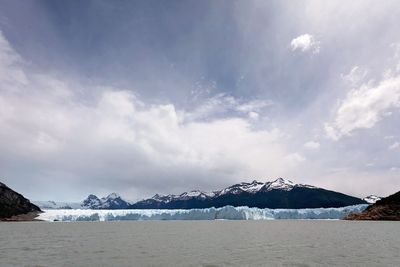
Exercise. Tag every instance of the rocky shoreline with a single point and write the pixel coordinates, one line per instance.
(386, 209)
(26, 217)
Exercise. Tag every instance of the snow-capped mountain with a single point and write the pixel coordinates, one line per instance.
(183, 196)
(279, 193)
(253, 187)
(91, 202)
(112, 201)
(371, 199)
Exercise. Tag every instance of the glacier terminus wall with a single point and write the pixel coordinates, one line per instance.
(224, 213)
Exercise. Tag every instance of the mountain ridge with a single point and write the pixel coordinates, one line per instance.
(280, 193)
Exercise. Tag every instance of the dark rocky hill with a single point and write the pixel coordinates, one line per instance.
(386, 209)
(13, 203)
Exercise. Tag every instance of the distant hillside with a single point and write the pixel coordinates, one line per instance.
(280, 193)
(13, 203)
(51, 205)
(113, 202)
(386, 209)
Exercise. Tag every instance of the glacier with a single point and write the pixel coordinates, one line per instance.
(224, 213)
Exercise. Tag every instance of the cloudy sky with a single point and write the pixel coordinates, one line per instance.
(144, 97)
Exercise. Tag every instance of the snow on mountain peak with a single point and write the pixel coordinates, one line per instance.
(156, 196)
(113, 200)
(284, 184)
(372, 199)
(113, 196)
(280, 183)
(163, 198)
(252, 187)
(91, 201)
(193, 193)
(249, 187)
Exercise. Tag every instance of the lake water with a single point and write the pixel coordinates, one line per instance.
(200, 243)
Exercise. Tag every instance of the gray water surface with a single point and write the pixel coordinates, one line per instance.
(200, 243)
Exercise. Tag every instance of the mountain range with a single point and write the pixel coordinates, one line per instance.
(280, 193)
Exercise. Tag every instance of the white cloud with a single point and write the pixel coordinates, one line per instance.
(126, 139)
(295, 158)
(394, 169)
(363, 107)
(222, 105)
(115, 141)
(304, 43)
(253, 115)
(312, 145)
(395, 145)
(9, 66)
(136, 146)
(253, 105)
(355, 76)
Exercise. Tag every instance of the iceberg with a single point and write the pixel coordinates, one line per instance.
(224, 213)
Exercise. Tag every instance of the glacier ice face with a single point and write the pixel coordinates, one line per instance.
(224, 213)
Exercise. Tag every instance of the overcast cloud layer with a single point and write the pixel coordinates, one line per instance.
(164, 97)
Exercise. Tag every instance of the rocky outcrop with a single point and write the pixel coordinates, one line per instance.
(386, 209)
(13, 203)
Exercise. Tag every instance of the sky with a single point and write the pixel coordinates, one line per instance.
(145, 97)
